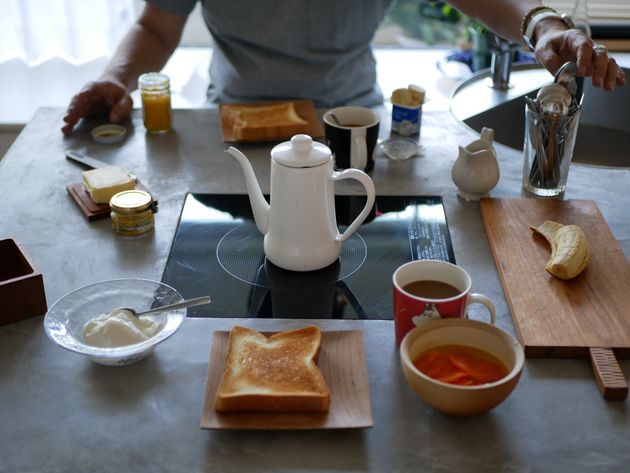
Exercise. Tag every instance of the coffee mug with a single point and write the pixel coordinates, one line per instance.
(353, 138)
(432, 289)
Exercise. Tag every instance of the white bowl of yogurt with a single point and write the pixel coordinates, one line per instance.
(84, 321)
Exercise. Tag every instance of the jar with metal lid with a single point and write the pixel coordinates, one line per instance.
(132, 212)
(156, 102)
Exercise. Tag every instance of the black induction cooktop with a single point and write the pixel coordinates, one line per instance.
(218, 250)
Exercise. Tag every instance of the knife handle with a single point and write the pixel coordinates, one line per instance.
(610, 379)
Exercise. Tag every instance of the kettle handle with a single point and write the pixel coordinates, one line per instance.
(368, 185)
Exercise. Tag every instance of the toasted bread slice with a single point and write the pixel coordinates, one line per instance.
(265, 122)
(275, 374)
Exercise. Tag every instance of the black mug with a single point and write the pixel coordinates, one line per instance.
(352, 137)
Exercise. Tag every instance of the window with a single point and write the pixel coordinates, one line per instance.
(427, 23)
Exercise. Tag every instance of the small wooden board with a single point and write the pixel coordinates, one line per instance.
(304, 108)
(92, 210)
(342, 362)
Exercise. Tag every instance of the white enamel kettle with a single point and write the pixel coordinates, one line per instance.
(300, 224)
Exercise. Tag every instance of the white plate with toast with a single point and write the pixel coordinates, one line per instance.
(341, 361)
(269, 121)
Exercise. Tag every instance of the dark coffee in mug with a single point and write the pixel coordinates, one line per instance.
(431, 289)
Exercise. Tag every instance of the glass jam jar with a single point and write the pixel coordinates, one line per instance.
(132, 212)
(156, 102)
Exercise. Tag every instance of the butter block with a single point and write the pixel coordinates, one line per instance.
(103, 183)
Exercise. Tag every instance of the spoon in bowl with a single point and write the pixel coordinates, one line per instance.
(178, 305)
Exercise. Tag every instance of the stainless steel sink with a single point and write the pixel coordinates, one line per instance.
(604, 132)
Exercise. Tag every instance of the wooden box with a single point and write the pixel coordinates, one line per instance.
(21, 285)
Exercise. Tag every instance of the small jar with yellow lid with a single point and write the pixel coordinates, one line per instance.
(132, 212)
(156, 102)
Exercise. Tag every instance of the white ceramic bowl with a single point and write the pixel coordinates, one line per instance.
(451, 398)
(64, 321)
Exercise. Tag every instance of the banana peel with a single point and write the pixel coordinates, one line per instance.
(570, 251)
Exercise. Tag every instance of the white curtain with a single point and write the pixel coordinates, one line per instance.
(75, 31)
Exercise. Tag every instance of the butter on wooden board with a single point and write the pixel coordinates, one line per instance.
(103, 183)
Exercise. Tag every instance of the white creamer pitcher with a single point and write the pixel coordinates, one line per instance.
(476, 170)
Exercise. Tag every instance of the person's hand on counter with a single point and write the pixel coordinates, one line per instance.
(556, 45)
(98, 98)
(146, 47)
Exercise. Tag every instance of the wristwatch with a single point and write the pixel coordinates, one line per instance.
(528, 26)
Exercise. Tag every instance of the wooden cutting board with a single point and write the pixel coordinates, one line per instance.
(588, 316)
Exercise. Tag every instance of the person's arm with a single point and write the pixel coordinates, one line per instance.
(146, 47)
(555, 42)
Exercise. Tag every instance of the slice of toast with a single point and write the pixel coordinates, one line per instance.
(264, 122)
(275, 374)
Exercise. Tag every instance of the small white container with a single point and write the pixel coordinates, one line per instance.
(109, 134)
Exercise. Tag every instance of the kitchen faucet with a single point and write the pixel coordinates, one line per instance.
(502, 57)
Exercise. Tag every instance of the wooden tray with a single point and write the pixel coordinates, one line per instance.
(587, 316)
(21, 284)
(304, 108)
(342, 362)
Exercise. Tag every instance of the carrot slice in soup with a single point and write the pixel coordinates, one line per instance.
(482, 371)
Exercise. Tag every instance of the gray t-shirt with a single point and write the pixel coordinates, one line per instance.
(291, 49)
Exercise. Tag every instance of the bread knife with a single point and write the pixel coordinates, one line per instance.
(91, 162)
(85, 159)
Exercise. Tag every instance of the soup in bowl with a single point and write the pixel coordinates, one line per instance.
(461, 366)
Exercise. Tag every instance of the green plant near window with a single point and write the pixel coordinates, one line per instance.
(434, 22)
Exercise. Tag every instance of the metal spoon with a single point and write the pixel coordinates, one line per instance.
(554, 99)
(178, 305)
(567, 76)
(335, 119)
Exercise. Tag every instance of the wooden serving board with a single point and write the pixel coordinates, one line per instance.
(588, 316)
(342, 363)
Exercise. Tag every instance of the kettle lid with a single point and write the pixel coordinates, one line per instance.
(301, 152)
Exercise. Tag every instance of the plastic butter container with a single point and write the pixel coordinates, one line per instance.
(407, 110)
(404, 137)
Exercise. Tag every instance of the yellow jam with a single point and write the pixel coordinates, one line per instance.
(156, 111)
(156, 102)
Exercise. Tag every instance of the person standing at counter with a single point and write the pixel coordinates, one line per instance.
(315, 49)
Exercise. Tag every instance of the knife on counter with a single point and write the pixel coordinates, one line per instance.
(85, 159)
(91, 162)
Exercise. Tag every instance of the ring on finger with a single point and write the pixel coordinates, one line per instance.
(600, 48)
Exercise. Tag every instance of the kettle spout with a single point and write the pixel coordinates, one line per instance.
(260, 207)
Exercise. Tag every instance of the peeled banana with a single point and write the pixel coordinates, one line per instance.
(570, 252)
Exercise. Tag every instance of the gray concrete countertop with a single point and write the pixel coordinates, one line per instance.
(61, 413)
